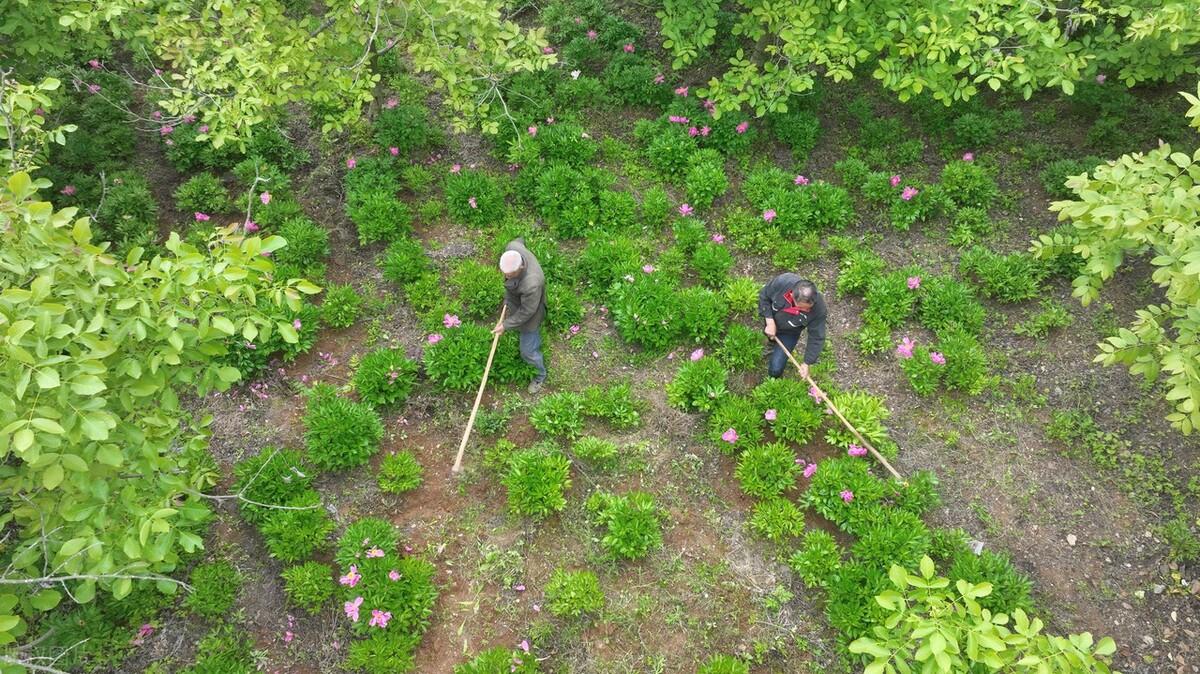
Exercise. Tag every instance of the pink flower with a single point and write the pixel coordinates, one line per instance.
(203, 128)
(648, 268)
(265, 198)
(200, 217)
(730, 436)
(532, 130)
(685, 210)
(629, 48)
(434, 338)
(297, 324)
(288, 636)
(814, 393)
(394, 150)
(574, 329)
(895, 180)
(909, 192)
(800, 180)
(905, 348)
(769, 214)
(847, 495)
(519, 588)
(165, 130)
(681, 91)
(855, 450)
(697, 355)
(810, 470)
(1100, 78)
(937, 357)
(914, 282)
(391, 103)
(94, 64)
(659, 79)
(718, 238)
(704, 131)
(157, 114)
(250, 225)
(770, 414)
(472, 203)
(547, 49)
(676, 119)
(351, 579)
(393, 575)
(351, 163)
(743, 127)
(451, 321)
(456, 168)
(693, 132)
(710, 105)
(592, 35)
(68, 190)
(189, 118)
(524, 645)
(93, 88)
(374, 552)
(969, 156)
(351, 608)
(380, 618)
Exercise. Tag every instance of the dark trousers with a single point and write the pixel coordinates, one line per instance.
(531, 351)
(778, 358)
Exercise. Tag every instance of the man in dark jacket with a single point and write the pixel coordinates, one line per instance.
(525, 299)
(789, 305)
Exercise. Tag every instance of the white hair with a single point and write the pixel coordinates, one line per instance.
(510, 261)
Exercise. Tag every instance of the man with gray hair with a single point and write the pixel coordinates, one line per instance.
(525, 299)
(790, 304)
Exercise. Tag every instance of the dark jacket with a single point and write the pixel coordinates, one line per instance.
(525, 295)
(771, 300)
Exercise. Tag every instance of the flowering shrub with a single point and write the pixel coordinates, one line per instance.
(536, 481)
(705, 180)
(363, 535)
(969, 184)
(404, 261)
(384, 377)
(712, 262)
(341, 305)
(606, 260)
(271, 216)
(966, 362)
(915, 203)
(743, 416)
(615, 404)
(632, 523)
(271, 477)
(777, 520)
(723, 664)
(768, 470)
(896, 536)
(399, 472)
(669, 152)
(698, 385)
(595, 450)
(456, 361)
(646, 312)
(797, 420)
(630, 78)
(559, 414)
(689, 233)
(947, 305)
(1010, 278)
(388, 592)
(500, 661)
(706, 314)
(866, 413)
(923, 372)
(480, 289)
(405, 127)
(309, 585)
(202, 193)
(294, 533)
(563, 308)
(308, 244)
(215, 586)
(857, 270)
(835, 476)
(253, 173)
(826, 207)
(881, 187)
(474, 199)
(818, 558)
(574, 593)
(742, 348)
(889, 299)
(340, 433)
(733, 133)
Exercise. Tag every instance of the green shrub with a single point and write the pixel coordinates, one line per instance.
(742, 348)
(129, 212)
(974, 130)
(367, 533)
(669, 153)
(1054, 176)
(480, 288)
(797, 420)
(873, 337)
(646, 312)
(418, 179)
(467, 187)
(563, 307)
(632, 523)
(723, 664)
(741, 294)
(858, 270)
(656, 207)
(630, 78)
(456, 361)
(559, 414)
(1183, 545)
(385, 377)
(777, 520)
(898, 537)
(383, 652)
(399, 472)
(379, 216)
(294, 533)
(969, 184)
(617, 210)
(340, 433)
(969, 225)
(404, 261)
(833, 476)
(828, 207)
(500, 660)
(1053, 315)
(269, 143)
(966, 362)
(307, 243)
(850, 607)
(918, 495)
(705, 178)
(574, 593)
(272, 216)
(742, 416)
(271, 477)
(256, 176)
(1010, 278)
(1010, 587)
(309, 585)
(889, 299)
(706, 314)
(712, 262)
(947, 305)
(853, 172)
(768, 470)
(537, 482)
(202, 193)
(817, 560)
(866, 413)
(341, 305)
(606, 260)
(214, 588)
(225, 650)
(797, 129)
(595, 450)
(615, 404)
(404, 127)
(698, 385)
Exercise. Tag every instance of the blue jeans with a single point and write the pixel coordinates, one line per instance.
(778, 359)
(531, 352)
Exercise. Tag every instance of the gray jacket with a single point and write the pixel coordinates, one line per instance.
(771, 299)
(525, 295)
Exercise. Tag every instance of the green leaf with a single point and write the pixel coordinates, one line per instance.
(287, 332)
(23, 440)
(47, 425)
(1106, 646)
(868, 646)
(45, 600)
(121, 588)
(87, 385)
(74, 463)
(53, 476)
(85, 592)
(47, 378)
(223, 324)
(8, 622)
(927, 569)
(109, 455)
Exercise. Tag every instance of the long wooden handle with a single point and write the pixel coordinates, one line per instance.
(462, 446)
(836, 411)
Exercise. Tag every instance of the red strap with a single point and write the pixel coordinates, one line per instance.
(792, 308)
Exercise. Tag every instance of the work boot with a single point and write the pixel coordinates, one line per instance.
(535, 386)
